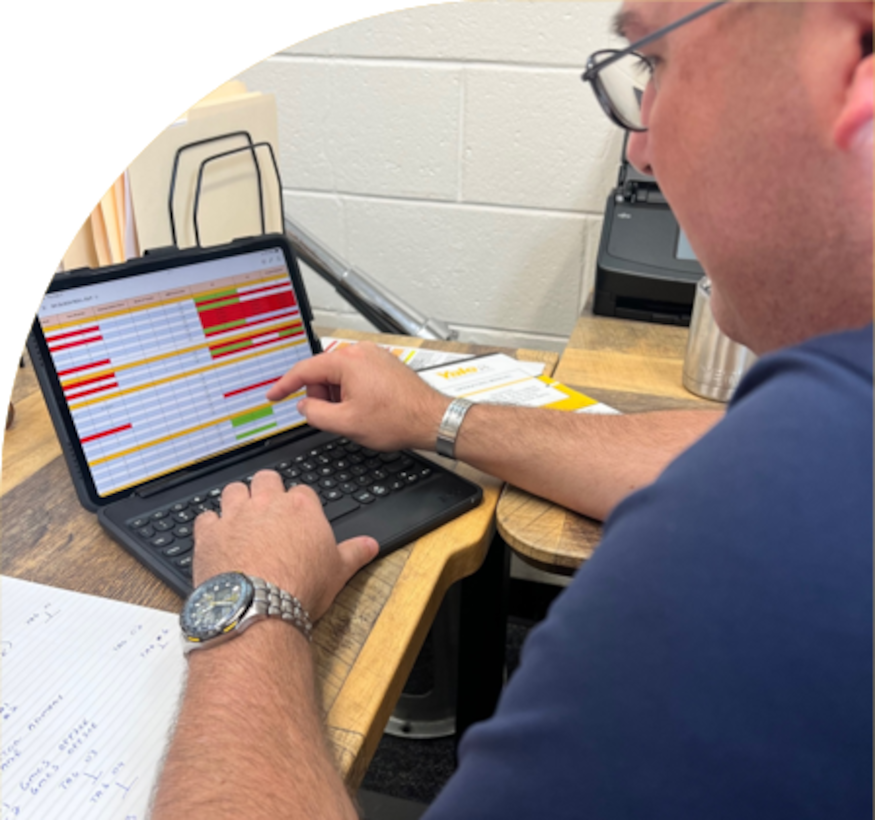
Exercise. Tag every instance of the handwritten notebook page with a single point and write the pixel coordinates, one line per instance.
(89, 692)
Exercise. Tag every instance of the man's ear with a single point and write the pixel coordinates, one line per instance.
(855, 119)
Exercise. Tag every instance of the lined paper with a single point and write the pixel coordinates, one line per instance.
(90, 687)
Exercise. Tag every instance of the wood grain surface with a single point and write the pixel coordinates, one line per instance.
(632, 366)
(366, 644)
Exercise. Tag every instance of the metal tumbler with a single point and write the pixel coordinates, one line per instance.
(714, 364)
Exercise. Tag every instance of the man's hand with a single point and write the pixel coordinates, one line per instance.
(366, 393)
(280, 536)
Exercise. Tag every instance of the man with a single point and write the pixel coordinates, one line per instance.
(713, 659)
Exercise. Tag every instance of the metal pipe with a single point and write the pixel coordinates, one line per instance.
(386, 311)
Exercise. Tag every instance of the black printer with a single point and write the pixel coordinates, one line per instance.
(646, 268)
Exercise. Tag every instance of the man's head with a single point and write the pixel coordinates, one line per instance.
(759, 133)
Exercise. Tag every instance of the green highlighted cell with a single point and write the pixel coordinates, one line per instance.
(227, 326)
(215, 305)
(256, 431)
(218, 351)
(252, 415)
(216, 294)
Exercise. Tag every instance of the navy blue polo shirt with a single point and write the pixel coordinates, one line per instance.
(714, 658)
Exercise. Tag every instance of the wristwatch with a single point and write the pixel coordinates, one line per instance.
(224, 605)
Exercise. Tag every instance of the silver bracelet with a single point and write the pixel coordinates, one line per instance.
(448, 431)
(274, 602)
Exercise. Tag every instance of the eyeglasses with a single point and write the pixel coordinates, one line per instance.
(620, 76)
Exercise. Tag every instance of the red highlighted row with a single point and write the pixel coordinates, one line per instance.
(240, 390)
(245, 310)
(104, 433)
(77, 343)
(240, 294)
(82, 367)
(58, 336)
(75, 396)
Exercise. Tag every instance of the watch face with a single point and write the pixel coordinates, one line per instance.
(215, 606)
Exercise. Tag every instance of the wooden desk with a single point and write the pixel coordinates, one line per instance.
(365, 646)
(632, 366)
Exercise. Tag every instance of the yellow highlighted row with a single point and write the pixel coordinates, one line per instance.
(176, 376)
(230, 340)
(181, 433)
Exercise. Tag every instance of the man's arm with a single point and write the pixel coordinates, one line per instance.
(587, 463)
(249, 741)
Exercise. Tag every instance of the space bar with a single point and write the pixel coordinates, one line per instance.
(342, 506)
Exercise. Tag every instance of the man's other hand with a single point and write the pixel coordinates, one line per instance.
(280, 536)
(364, 392)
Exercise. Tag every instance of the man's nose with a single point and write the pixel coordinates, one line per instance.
(638, 146)
(636, 151)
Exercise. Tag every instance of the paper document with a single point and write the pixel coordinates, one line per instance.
(500, 379)
(90, 688)
(414, 357)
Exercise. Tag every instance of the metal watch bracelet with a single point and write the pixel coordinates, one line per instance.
(448, 431)
(273, 602)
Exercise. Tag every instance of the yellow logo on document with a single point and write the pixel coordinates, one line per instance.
(452, 374)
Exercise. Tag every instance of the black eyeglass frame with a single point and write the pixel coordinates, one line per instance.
(591, 74)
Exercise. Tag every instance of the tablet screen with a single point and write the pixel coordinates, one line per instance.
(165, 369)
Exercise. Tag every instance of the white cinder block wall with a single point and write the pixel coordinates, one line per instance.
(453, 153)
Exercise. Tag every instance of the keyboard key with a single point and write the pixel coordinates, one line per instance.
(291, 472)
(283, 465)
(163, 540)
(387, 457)
(164, 524)
(343, 476)
(173, 550)
(179, 506)
(380, 490)
(397, 466)
(332, 495)
(363, 480)
(342, 464)
(198, 499)
(183, 562)
(379, 475)
(183, 517)
(309, 465)
(216, 492)
(397, 483)
(352, 447)
(326, 470)
(364, 497)
(145, 532)
(159, 514)
(183, 531)
(367, 452)
(310, 478)
(327, 483)
(349, 487)
(359, 469)
(288, 483)
(425, 471)
(137, 523)
(202, 508)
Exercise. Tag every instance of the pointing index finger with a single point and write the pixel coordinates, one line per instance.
(320, 370)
